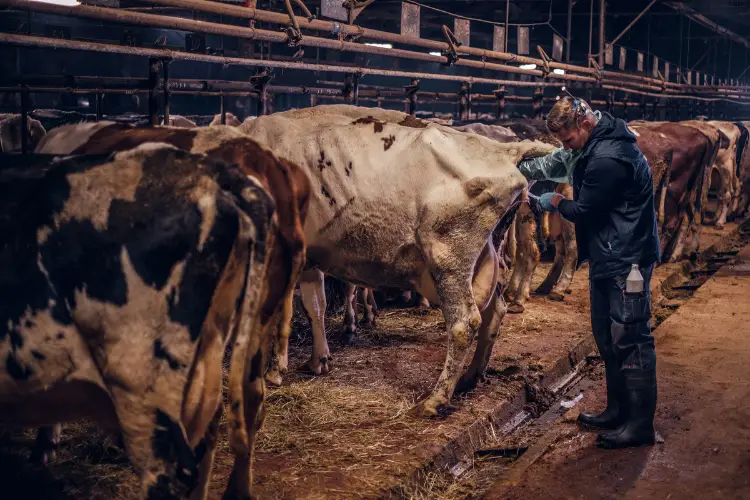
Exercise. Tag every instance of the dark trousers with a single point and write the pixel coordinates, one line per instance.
(622, 329)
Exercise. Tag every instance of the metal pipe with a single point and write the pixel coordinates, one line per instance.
(166, 22)
(25, 105)
(602, 9)
(627, 28)
(165, 91)
(365, 33)
(591, 30)
(507, 30)
(569, 32)
(35, 41)
(153, 86)
(222, 110)
(99, 106)
(243, 12)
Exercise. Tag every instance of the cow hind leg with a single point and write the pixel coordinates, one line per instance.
(368, 303)
(241, 477)
(280, 359)
(570, 259)
(723, 210)
(205, 452)
(312, 288)
(555, 271)
(45, 446)
(492, 319)
(350, 315)
(459, 289)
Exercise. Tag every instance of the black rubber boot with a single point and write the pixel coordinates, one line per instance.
(614, 415)
(638, 429)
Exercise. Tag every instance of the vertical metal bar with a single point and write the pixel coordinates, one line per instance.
(223, 110)
(355, 89)
(716, 55)
(537, 103)
(264, 101)
(591, 30)
(25, 105)
(569, 32)
(602, 12)
(99, 106)
(729, 62)
(507, 28)
(165, 91)
(687, 59)
(153, 86)
(500, 96)
(679, 65)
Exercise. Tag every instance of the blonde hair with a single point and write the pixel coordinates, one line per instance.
(566, 112)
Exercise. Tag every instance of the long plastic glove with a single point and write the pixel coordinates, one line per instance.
(557, 166)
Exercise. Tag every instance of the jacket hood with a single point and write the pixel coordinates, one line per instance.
(610, 127)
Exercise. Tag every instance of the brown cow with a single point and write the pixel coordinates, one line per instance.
(743, 171)
(288, 185)
(693, 151)
(129, 276)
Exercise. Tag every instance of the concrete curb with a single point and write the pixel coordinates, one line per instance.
(508, 415)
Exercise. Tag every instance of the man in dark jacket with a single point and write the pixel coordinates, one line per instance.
(613, 210)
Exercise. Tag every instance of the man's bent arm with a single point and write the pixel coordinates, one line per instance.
(601, 190)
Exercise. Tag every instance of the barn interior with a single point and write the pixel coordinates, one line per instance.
(352, 432)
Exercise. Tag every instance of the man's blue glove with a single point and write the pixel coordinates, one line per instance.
(545, 201)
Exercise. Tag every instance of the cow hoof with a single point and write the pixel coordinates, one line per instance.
(348, 338)
(425, 409)
(273, 378)
(467, 383)
(516, 308)
(720, 227)
(420, 310)
(43, 458)
(323, 367)
(542, 291)
(556, 297)
(368, 324)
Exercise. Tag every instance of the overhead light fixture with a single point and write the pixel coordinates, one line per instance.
(558, 71)
(381, 45)
(67, 3)
(435, 54)
(528, 66)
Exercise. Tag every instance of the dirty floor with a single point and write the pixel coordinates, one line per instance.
(703, 414)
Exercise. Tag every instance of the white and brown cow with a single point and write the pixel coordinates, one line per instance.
(399, 202)
(286, 182)
(229, 118)
(180, 121)
(532, 228)
(11, 128)
(128, 277)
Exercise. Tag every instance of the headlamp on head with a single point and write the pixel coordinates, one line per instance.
(578, 107)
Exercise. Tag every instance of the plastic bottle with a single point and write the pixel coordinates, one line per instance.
(634, 281)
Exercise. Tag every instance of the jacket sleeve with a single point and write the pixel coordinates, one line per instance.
(601, 190)
(556, 166)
